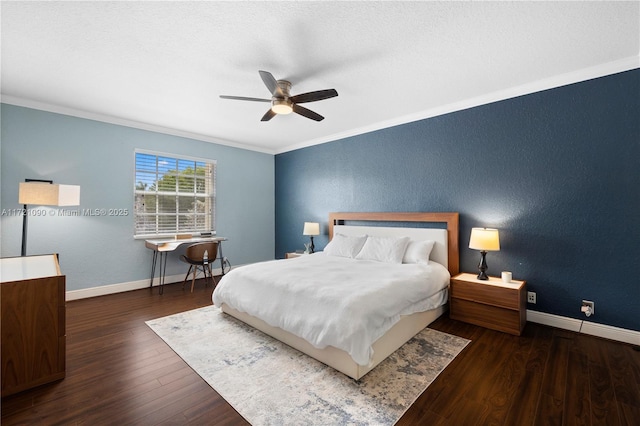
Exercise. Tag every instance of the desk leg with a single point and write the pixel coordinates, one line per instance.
(163, 269)
(221, 257)
(153, 267)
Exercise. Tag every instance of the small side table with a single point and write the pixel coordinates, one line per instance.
(492, 303)
(292, 255)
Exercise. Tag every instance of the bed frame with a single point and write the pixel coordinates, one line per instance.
(402, 331)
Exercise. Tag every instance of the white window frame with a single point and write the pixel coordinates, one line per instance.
(209, 193)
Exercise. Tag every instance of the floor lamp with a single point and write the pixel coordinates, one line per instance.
(44, 193)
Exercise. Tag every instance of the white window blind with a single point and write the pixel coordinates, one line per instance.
(173, 195)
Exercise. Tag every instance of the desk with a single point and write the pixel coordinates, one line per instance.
(163, 246)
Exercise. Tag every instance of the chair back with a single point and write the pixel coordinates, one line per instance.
(195, 252)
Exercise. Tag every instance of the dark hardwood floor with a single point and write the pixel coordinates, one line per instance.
(120, 372)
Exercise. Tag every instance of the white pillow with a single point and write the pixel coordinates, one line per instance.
(384, 249)
(418, 252)
(345, 245)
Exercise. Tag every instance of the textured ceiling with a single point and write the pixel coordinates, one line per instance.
(163, 65)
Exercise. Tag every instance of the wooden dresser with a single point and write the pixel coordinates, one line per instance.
(492, 303)
(33, 322)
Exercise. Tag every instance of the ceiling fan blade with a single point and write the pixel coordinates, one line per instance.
(243, 98)
(268, 115)
(318, 95)
(307, 113)
(271, 83)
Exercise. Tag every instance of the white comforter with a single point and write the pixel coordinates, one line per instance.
(329, 300)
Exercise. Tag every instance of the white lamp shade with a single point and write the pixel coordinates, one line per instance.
(48, 194)
(282, 107)
(486, 239)
(311, 228)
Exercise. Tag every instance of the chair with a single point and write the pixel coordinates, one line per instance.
(194, 256)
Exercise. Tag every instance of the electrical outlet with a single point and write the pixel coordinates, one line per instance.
(531, 297)
(588, 307)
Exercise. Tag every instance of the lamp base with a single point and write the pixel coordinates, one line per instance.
(482, 276)
(311, 247)
(482, 267)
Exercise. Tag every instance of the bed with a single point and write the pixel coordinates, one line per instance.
(374, 306)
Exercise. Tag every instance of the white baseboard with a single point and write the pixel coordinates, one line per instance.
(613, 333)
(122, 287)
(586, 327)
(554, 320)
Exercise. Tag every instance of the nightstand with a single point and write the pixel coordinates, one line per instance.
(492, 303)
(292, 255)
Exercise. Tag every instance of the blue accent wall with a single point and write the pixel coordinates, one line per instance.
(557, 172)
(99, 251)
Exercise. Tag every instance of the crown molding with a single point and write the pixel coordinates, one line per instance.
(72, 112)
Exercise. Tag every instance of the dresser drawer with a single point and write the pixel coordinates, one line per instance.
(486, 293)
(495, 318)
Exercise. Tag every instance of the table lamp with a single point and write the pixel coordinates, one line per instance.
(44, 193)
(484, 239)
(311, 229)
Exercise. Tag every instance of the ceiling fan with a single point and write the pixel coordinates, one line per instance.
(281, 100)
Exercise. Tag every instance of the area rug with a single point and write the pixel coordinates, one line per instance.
(270, 383)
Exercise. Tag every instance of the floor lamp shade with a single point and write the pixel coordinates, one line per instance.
(48, 194)
(44, 193)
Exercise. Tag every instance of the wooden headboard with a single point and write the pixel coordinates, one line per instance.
(450, 219)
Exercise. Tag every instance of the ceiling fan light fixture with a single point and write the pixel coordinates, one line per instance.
(282, 102)
(281, 106)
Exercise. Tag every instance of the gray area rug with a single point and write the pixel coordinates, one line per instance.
(270, 383)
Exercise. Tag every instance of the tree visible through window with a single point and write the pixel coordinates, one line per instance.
(173, 195)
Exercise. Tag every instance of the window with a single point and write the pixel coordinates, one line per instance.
(173, 195)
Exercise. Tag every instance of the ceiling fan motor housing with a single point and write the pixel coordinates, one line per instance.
(285, 86)
(282, 105)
